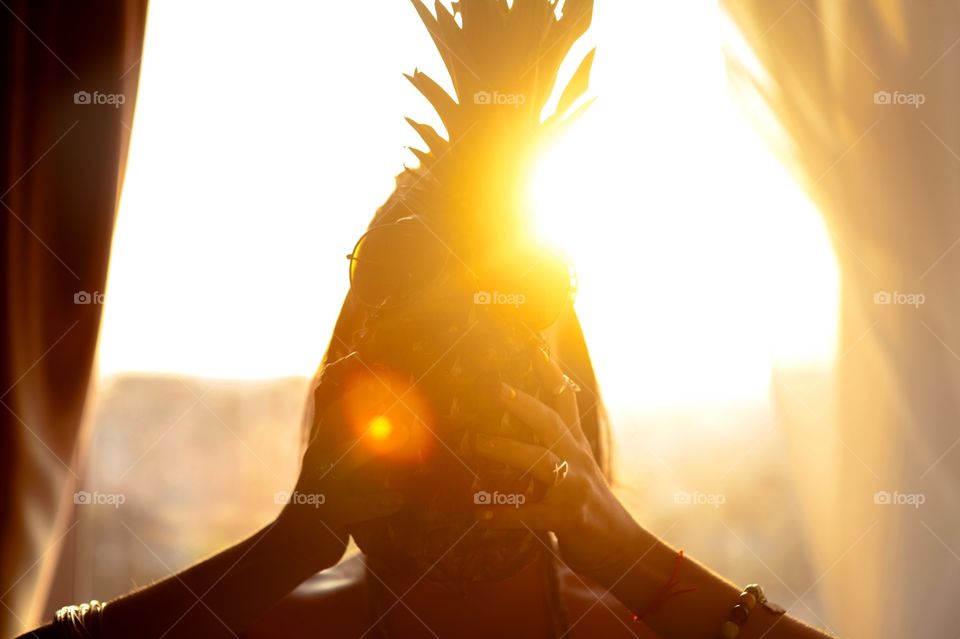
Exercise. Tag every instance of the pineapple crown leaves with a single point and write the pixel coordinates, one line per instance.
(503, 63)
(516, 51)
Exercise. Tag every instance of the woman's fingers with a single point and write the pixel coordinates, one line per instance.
(536, 460)
(534, 517)
(562, 395)
(545, 421)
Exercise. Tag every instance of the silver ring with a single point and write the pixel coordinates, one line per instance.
(566, 384)
(572, 385)
(560, 472)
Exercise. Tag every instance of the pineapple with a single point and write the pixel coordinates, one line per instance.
(443, 343)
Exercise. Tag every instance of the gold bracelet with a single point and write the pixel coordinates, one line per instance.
(747, 601)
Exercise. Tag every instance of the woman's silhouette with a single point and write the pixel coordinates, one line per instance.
(455, 428)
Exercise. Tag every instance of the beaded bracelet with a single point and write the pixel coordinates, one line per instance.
(747, 600)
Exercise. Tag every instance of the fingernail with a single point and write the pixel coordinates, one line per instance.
(508, 392)
(545, 354)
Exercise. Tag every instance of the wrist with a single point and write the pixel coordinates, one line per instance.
(624, 549)
(639, 575)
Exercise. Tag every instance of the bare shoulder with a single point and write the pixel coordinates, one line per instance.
(334, 604)
(594, 612)
(331, 604)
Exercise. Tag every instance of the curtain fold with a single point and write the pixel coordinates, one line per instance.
(70, 72)
(865, 98)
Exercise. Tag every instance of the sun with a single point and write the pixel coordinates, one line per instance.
(708, 276)
(558, 196)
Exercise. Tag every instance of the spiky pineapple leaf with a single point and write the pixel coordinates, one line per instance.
(433, 139)
(577, 86)
(439, 99)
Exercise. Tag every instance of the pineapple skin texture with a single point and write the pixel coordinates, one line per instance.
(455, 353)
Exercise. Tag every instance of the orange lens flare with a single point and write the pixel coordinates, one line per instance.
(388, 414)
(380, 427)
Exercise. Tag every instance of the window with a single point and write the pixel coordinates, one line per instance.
(264, 141)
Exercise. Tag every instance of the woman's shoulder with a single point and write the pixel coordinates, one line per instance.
(593, 612)
(338, 593)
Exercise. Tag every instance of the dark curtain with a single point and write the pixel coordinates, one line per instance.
(70, 73)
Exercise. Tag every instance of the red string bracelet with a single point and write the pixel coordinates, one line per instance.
(665, 593)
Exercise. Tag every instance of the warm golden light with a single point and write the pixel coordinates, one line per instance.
(380, 428)
(389, 415)
(700, 261)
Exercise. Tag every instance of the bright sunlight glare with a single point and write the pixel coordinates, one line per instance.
(252, 171)
(380, 427)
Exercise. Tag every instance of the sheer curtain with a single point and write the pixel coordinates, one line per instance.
(864, 104)
(70, 75)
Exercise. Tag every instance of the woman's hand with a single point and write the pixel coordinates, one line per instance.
(223, 594)
(597, 536)
(324, 503)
